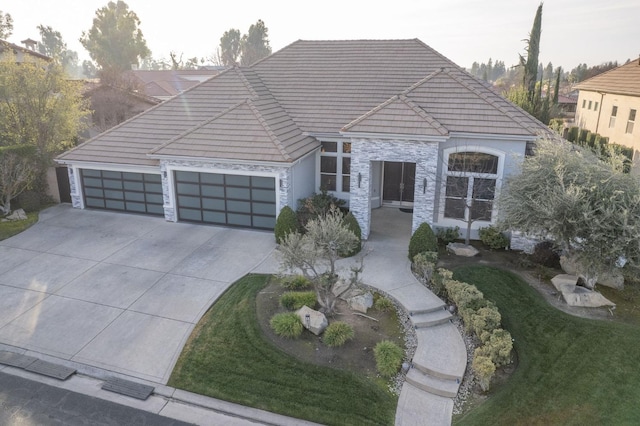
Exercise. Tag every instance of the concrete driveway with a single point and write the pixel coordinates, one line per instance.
(117, 291)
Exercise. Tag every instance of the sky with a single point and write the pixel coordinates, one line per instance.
(573, 31)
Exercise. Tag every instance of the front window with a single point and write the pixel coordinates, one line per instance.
(335, 166)
(470, 186)
(614, 113)
(631, 121)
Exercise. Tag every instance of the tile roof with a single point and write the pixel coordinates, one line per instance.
(624, 80)
(269, 111)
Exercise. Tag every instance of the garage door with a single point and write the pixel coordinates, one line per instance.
(123, 191)
(223, 199)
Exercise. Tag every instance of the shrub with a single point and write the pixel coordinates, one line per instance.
(352, 224)
(286, 325)
(30, 201)
(315, 206)
(293, 300)
(286, 222)
(544, 253)
(448, 235)
(485, 320)
(383, 304)
(424, 264)
(337, 334)
(493, 238)
(388, 357)
(422, 240)
(497, 347)
(484, 370)
(296, 282)
(572, 134)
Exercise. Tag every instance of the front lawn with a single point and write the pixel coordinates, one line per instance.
(14, 227)
(571, 371)
(227, 357)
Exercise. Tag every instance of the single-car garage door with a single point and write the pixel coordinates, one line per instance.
(224, 199)
(123, 191)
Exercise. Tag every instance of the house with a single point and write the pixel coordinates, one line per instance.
(164, 84)
(608, 105)
(23, 54)
(375, 122)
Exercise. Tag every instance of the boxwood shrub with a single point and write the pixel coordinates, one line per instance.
(422, 240)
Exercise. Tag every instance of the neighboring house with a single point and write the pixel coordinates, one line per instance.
(165, 84)
(23, 54)
(609, 103)
(375, 122)
(111, 106)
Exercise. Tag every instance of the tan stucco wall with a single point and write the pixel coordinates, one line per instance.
(598, 120)
(52, 181)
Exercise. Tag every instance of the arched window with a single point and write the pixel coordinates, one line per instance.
(470, 185)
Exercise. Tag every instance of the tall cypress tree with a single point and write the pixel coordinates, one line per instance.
(533, 50)
(556, 92)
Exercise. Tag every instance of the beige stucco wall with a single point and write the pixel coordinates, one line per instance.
(598, 120)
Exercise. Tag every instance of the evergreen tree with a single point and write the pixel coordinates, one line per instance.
(115, 41)
(556, 92)
(533, 50)
(6, 25)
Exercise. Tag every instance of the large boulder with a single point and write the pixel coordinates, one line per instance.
(613, 278)
(312, 320)
(340, 287)
(17, 215)
(586, 298)
(460, 249)
(564, 282)
(361, 302)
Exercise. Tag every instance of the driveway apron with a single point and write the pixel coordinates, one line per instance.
(116, 291)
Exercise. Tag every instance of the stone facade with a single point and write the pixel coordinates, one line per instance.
(364, 151)
(76, 196)
(281, 173)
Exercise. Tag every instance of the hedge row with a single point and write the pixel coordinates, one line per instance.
(482, 318)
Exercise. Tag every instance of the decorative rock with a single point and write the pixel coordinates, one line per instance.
(460, 249)
(586, 298)
(340, 287)
(17, 215)
(317, 321)
(361, 303)
(613, 278)
(564, 282)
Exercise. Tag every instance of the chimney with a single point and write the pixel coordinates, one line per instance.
(30, 44)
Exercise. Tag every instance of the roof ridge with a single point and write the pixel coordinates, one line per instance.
(370, 113)
(422, 81)
(424, 114)
(276, 141)
(491, 102)
(245, 81)
(198, 126)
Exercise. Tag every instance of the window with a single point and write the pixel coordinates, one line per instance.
(631, 121)
(335, 166)
(595, 107)
(614, 113)
(470, 186)
(589, 105)
(584, 103)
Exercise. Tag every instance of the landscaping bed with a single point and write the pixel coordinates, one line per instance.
(228, 356)
(10, 228)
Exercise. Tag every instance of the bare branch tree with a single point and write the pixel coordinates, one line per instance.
(17, 173)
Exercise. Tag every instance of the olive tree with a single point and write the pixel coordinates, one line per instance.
(316, 252)
(590, 207)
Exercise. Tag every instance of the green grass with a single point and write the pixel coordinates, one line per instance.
(571, 371)
(228, 357)
(11, 228)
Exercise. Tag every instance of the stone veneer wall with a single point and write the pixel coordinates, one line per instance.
(364, 151)
(282, 173)
(76, 197)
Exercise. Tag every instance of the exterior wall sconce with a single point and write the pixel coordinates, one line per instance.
(424, 185)
(359, 179)
(164, 174)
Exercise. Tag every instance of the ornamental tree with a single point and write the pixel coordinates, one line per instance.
(590, 207)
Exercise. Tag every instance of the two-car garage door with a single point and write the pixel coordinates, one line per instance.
(214, 198)
(225, 199)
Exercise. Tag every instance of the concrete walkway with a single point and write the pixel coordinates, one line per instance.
(440, 359)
